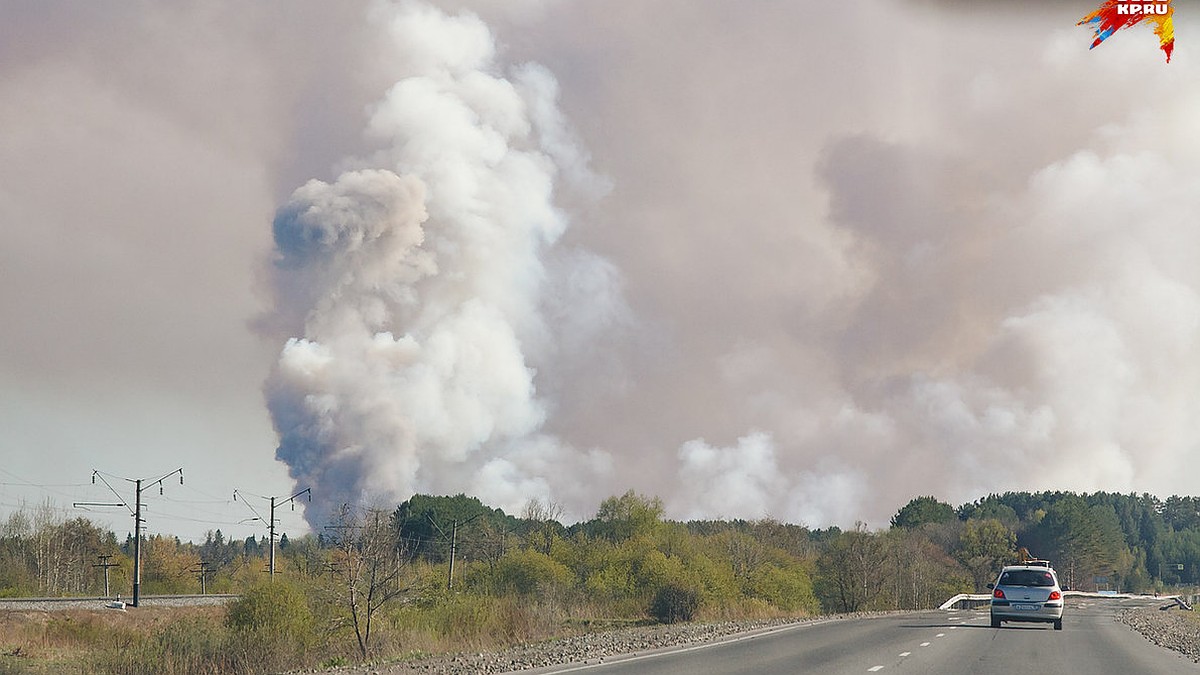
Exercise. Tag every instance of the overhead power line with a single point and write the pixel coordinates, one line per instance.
(270, 521)
(136, 512)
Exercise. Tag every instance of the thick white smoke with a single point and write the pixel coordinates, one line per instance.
(417, 285)
(1033, 336)
(843, 296)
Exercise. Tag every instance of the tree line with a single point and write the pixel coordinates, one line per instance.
(372, 572)
(441, 572)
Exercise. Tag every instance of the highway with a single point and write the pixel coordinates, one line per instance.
(1092, 642)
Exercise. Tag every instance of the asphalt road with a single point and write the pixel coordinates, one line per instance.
(1092, 642)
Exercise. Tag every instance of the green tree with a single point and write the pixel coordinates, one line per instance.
(984, 547)
(426, 523)
(1080, 541)
(1182, 513)
(627, 516)
(990, 508)
(923, 510)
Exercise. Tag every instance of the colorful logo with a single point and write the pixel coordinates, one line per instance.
(1114, 15)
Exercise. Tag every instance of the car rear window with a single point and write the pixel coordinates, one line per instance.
(1026, 578)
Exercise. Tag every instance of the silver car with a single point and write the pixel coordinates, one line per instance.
(1028, 592)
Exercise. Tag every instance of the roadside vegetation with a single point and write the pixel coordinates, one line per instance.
(441, 574)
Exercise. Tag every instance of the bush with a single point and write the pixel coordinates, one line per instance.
(528, 572)
(274, 607)
(674, 603)
(787, 589)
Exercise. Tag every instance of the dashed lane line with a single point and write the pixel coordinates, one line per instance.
(876, 669)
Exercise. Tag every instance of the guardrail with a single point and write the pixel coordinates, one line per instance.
(966, 601)
(973, 600)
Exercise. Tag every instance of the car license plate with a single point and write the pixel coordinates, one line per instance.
(1025, 607)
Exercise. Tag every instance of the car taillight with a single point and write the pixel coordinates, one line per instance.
(1055, 595)
(998, 594)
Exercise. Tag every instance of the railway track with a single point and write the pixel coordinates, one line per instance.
(52, 604)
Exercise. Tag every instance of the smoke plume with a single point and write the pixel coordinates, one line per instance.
(417, 284)
(844, 289)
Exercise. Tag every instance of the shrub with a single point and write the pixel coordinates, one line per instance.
(274, 607)
(787, 589)
(674, 602)
(528, 572)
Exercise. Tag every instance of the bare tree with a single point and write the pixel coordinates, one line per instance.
(546, 515)
(369, 566)
(852, 570)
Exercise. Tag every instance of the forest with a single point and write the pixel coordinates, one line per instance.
(440, 572)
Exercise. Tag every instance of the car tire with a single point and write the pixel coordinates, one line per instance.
(1058, 625)
(995, 622)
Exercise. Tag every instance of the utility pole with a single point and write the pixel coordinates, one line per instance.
(271, 521)
(103, 558)
(453, 550)
(204, 570)
(453, 543)
(137, 517)
(137, 546)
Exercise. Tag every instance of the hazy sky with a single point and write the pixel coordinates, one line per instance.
(753, 258)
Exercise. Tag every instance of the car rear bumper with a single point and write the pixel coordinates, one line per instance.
(1027, 611)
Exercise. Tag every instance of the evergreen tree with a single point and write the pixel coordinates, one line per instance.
(923, 510)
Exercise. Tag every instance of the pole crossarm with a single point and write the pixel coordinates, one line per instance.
(81, 505)
(96, 474)
(270, 521)
(140, 486)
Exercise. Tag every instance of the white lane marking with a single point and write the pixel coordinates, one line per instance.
(925, 644)
(904, 654)
(874, 669)
(940, 635)
(953, 627)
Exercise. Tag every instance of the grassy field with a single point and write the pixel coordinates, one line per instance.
(219, 640)
(85, 641)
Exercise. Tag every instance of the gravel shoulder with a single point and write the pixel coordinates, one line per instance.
(1173, 629)
(589, 648)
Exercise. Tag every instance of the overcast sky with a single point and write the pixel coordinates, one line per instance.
(757, 259)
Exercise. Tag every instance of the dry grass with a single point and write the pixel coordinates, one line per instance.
(62, 641)
(167, 640)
